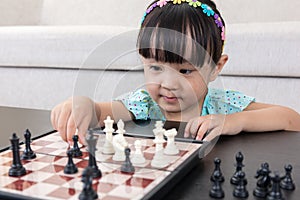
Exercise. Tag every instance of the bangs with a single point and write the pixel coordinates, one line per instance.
(165, 45)
(175, 35)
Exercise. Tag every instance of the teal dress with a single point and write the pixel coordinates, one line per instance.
(217, 101)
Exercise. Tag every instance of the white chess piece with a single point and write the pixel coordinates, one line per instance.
(171, 148)
(159, 131)
(108, 147)
(158, 160)
(119, 143)
(138, 157)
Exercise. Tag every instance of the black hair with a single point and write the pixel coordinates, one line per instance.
(166, 31)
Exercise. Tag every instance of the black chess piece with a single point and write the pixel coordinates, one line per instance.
(127, 166)
(17, 168)
(287, 183)
(217, 162)
(91, 142)
(240, 189)
(239, 166)
(27, 153)
(70, 168)
(87, 193)
(216, 190)
(264, 181)
(275, 193)
(76, 150)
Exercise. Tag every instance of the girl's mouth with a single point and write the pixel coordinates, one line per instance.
(170, 99)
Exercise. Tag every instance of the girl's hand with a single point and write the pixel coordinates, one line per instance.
(74, 113)
(213, 125)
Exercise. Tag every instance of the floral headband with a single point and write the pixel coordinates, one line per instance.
(195, 3)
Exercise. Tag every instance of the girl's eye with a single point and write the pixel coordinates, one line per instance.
(185, 71)
(155, 68)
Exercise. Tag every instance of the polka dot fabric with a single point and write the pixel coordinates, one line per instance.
(217, 101)
(141, 105)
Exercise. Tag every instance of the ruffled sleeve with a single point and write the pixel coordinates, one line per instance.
(141, 105)
(225, 102)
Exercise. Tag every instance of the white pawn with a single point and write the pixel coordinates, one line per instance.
(138, 157)
(108, 147)
(171, 148)
(119, 143)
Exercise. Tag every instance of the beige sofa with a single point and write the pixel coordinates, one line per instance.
(51, 50)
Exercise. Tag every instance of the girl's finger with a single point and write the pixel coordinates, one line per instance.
(195, 127)
(187, 129)
(202, 130)
(62, 122)
(71, 129)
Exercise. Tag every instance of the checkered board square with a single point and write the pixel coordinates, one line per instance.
(45, 178)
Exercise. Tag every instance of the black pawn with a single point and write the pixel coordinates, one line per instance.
(27, 153)
(127, 166)
(76, 150)
(91, 142)
(275, 193)
(17, 168)
(217, 162)
(240, 190)
(87, 193)
(216, 190)
(287, 183)
(264, 181)
(239, 166)
(70, 168)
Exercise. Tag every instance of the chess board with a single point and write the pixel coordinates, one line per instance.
(45, 178)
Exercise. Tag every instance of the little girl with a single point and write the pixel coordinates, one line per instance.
(180, 43)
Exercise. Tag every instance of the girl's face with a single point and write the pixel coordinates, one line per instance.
(179, 89)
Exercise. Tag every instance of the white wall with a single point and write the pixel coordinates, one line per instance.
(20, 12)
(129, 12)
(240, 11)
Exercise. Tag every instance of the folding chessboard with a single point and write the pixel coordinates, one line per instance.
(45, 178)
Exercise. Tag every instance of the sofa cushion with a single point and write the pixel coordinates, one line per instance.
(65, 46)
(259, 49)
(263, 49)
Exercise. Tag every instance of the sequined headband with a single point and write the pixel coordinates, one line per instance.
(195, 3)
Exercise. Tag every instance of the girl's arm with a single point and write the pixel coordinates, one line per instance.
(259, 117)
(116, 110)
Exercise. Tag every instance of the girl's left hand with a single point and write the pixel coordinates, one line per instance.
(199, 126)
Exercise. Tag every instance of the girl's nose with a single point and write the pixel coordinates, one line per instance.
(170, 82)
